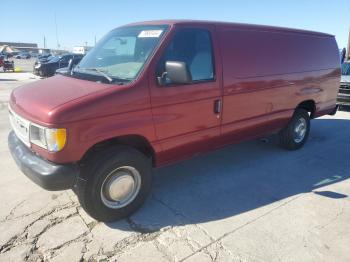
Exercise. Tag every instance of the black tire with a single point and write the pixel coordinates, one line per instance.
(287, 137)
(98, 168)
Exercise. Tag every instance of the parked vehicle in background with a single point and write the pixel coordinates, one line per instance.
(2, 59)
(71, 64)
(6, 55)
(153, 93)
(34, 54)
(49, 67)
(41, 59)
(8, 66)
(344, 90)
(44, 56)
(23, 55)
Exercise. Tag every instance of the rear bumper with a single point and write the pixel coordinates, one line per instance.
(334, 111)
(46, 174)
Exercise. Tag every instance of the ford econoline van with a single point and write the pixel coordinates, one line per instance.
(153, 93)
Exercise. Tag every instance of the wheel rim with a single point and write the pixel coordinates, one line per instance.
(300, 130)
(120, 187)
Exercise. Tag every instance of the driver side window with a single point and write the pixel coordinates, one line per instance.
(194, 47)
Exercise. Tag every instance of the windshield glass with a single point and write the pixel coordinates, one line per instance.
(345, 69)
(122, 53)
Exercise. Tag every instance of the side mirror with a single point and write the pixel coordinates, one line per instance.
(177, 72)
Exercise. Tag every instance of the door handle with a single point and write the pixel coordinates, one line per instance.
(217, 107)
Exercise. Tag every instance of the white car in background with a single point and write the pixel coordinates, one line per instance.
(344, 89)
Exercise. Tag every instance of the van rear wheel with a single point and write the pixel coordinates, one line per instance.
(295, 134)
(115, 184)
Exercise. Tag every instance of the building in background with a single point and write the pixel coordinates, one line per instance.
(16, 47)
(81, 49)
(5, 49)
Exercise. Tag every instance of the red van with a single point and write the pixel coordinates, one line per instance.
(154, 93)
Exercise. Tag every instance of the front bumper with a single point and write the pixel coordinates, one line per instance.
(344, 94)
(46, 174)
(37, 71)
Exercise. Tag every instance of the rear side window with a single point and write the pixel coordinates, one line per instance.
(194, 47)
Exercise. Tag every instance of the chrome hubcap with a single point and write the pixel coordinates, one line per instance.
(300, 130)
(120, 187)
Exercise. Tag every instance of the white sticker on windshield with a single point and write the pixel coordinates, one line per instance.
(150, 33)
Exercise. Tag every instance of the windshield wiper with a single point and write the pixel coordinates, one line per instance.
(110, 79)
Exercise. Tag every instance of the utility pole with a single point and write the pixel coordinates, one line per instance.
(95, 39)
(44, 42)
(58, 44)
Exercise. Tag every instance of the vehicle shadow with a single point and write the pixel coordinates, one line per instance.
(244, 177)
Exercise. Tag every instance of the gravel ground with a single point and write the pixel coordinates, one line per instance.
(250, 202)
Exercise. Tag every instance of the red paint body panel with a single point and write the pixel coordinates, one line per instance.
(261, 74)
(183, 114)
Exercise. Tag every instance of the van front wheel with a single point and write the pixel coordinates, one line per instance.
(116, 183)
(295, 134)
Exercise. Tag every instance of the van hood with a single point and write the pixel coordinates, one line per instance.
(36, 101)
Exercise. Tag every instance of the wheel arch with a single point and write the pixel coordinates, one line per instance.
(135, 141)
(309, 106)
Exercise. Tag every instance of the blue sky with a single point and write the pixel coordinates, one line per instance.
(80, 21)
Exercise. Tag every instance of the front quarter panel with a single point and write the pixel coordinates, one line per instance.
(113, 114)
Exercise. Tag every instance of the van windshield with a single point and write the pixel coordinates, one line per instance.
(122, 53)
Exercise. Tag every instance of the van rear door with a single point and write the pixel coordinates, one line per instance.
(187, 117)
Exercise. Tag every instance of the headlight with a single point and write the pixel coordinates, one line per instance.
(52, 139)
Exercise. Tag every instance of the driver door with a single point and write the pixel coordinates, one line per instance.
(187, 116)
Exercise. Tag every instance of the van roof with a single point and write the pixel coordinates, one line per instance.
(235, 25)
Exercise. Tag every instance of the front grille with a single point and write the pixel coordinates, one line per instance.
(344, 91)
(345, 85)
(343, 100)
(20, 126)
